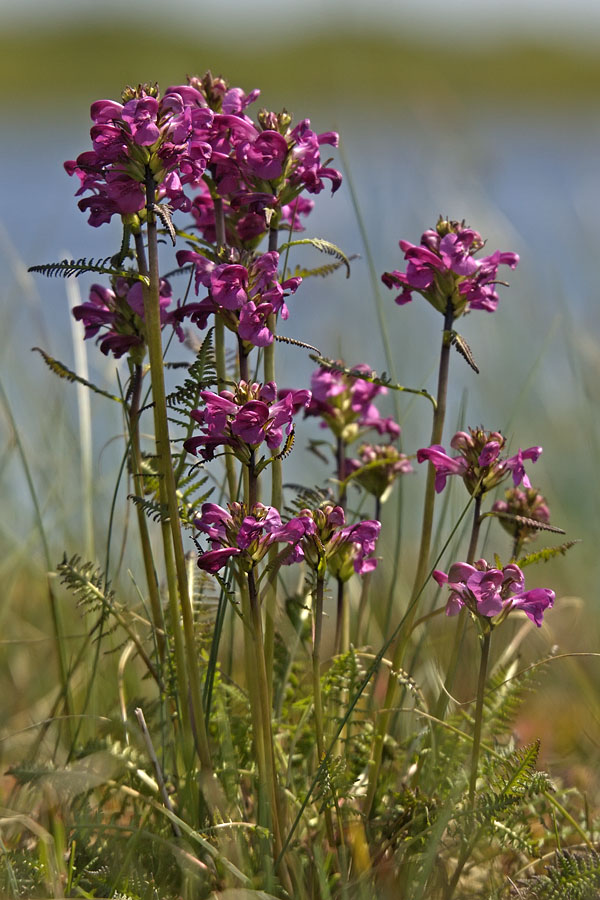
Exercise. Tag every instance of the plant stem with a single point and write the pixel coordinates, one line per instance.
(318, 703)
(468, 845)
(178, 638)
(461, 622)
(165, 466)
(138, 482)
(422, 563)
(483, 665)
(220, 348)
(342, 622)
(276, 502)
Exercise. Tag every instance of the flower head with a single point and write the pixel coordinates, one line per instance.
(340, 549)
(344, 402)
(244, 419)
(377, 467)
(243, 296)
(479, 461)
(443, 268)
(493, 593)
(248, 534)
(517, 508)
(116, 314)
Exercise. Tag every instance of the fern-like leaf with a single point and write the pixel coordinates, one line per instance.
(459, 343)
(574, 876)
(332, 365)
(63, 372)
(202, 374)
(323, 247)
(68, 268)
(546, 553)
(156, 511)
(322, 271)
(525, 520)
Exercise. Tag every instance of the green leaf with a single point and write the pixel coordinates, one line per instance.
(322, 271)
(323, 247)
(67, 268)
(545, 554)
(63, 372)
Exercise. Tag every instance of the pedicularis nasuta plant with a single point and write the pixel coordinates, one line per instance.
(274, 752)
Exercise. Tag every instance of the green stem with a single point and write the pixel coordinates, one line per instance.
(461, 622)
(166, 473)
(342, 622)
(174, 613)
(483, 666)
(138, 482)
(220, 348)
(468, 845)
(276, 501)
(317, 699)
(422, 563)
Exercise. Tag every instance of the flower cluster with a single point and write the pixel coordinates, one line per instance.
(345, 403)
(244, 418)
(319, 536)
(145, 137)
(339, 548)
(244, 296)
(197, 138)
(521, 505)
(443, 269)
(493, 593)
(479, 463)
(237, 532)
(377, 467)
(118, 314)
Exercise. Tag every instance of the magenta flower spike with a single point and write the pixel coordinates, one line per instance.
(243, 296)
(344, 403)
(117, 316)
(479, 462)
(235, 532)
(443, 266)
(377, 467)
(493, 593)
(245, 418)
(343, 550)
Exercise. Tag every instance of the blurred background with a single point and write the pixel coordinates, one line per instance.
(487, 112)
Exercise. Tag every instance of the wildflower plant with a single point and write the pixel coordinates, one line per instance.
(269, 759)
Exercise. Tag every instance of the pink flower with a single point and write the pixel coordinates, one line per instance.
(479, 462)
(493, 593)
(344, 402)
(443, 268)
(245, 418)
(248, 535)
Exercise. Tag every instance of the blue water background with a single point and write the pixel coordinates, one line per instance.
(527, 182)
